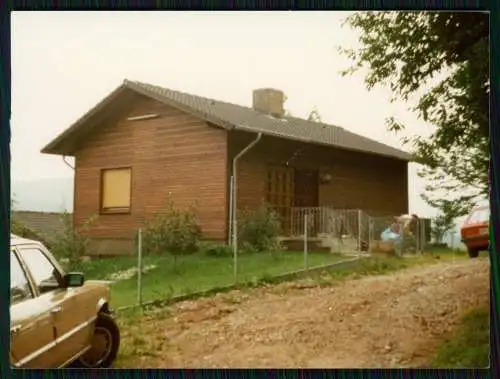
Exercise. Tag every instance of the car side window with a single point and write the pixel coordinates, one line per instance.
(20, 289)
(44, 273)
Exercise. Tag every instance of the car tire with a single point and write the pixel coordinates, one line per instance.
(106, 324)
(473, 253)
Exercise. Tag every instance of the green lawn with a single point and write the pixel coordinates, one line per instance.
(469, 346)
(199, 272)
(195, 272)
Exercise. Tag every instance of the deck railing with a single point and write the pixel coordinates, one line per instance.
(357, 226)
(327, 220)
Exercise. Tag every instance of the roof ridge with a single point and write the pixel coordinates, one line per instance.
(185, 93)
(230, 116)
(126, 81)
(332, 127)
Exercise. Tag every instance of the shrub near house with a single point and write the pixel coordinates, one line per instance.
(172, 231)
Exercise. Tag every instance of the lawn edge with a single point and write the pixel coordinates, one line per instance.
(275, 279)
(245, 284)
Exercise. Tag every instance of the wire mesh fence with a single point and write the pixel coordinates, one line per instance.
(318, 237)
(401, 235)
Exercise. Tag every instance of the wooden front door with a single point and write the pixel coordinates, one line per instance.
(306, 193)
(306, 188)
(280, 193)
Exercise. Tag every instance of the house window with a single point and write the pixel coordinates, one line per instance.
(116, 190)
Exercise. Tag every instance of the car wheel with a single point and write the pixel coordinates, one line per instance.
(473, 253)
(105, 344)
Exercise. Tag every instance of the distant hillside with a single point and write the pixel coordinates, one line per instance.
(44, 195)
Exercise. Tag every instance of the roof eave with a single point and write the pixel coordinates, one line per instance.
(57, 145)
(402, 155)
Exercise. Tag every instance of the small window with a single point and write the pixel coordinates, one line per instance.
(20, 289)
(116, 190)
(46, 276)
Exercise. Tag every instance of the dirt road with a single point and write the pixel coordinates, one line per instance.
(386, 321)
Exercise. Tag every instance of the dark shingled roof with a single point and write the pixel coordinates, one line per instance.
(232, 116)
(46, 224)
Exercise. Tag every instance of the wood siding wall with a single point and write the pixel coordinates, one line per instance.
(174, 155)
(373, 183)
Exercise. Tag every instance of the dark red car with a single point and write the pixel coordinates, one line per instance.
(475, 231)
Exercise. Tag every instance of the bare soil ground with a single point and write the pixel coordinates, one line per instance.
(394, 320)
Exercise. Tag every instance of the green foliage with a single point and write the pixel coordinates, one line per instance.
(469, 346)
(444, 222)
(445, 55)
(215, 249)
(172, 231)
(314, 116)
(259, 230)
(71, 244)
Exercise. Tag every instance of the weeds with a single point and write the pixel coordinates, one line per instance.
(469, 346)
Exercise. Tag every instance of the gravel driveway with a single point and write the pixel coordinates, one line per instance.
(393, 320)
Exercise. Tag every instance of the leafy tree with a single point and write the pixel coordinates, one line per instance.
(445, 56)
(314, 116)
(444, 221)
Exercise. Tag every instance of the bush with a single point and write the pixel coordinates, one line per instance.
(173, 232)
(259, 229)
(216, 249)
(71, 244)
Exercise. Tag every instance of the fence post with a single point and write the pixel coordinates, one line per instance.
(139, 268)
(402, 235)
(424, 236)
(359, 233)
(370, 234)
(231, 204)
(305, 241)
(417, 236)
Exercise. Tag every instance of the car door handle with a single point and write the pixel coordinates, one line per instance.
(16, 328)
(56, 310)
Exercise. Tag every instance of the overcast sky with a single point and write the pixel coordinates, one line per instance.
(63, 63)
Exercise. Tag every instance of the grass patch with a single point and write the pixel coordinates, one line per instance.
(199, 272)
(469, 346)
(380, 265)
(196, 272)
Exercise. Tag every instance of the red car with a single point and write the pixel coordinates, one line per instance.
(475, 231)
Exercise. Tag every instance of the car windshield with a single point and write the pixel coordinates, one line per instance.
(480, 215)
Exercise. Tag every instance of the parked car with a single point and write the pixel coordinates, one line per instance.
(475, 231)
(57, 319)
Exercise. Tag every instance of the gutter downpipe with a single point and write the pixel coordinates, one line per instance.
(67, 163)
(234, 203)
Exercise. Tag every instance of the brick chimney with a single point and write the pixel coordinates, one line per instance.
(269, 101)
